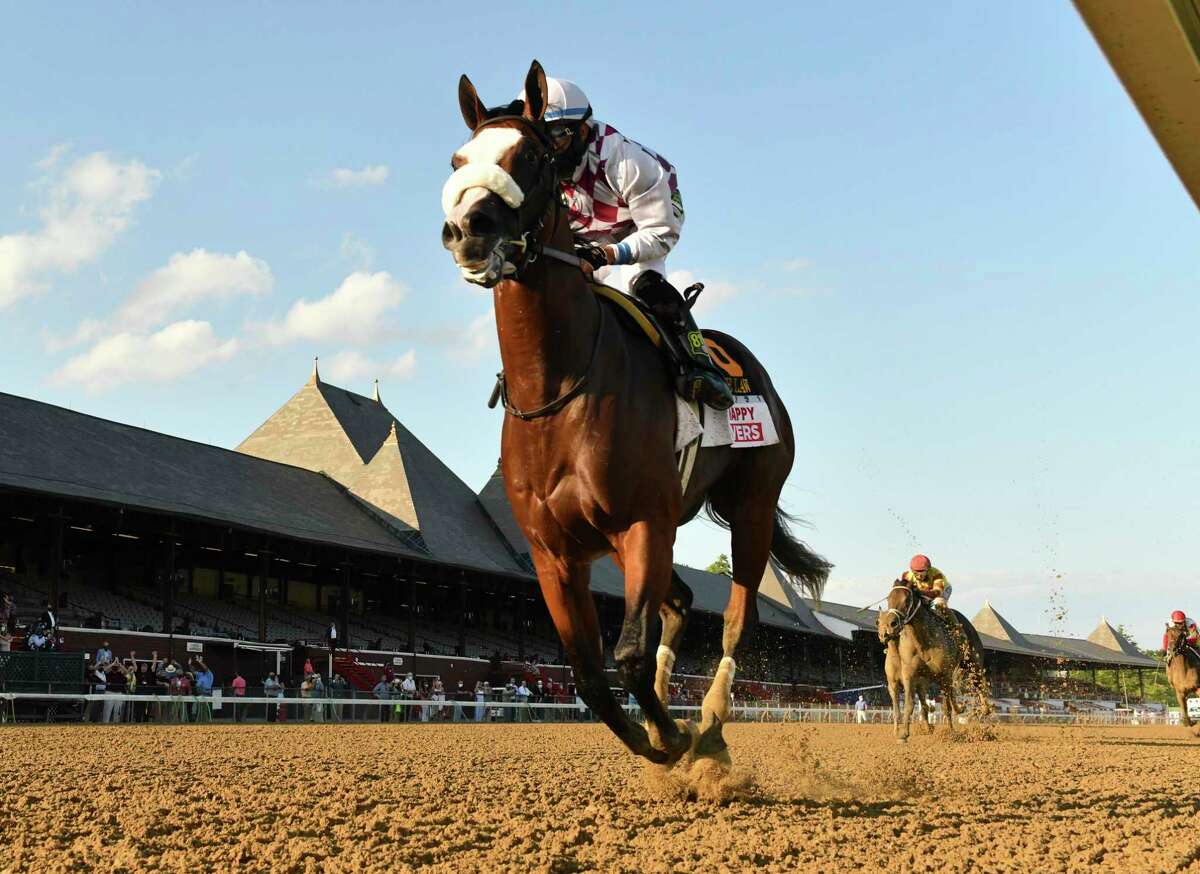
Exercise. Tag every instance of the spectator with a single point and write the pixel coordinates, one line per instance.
(203, 679)
(104, 655)
(338, 688)
(99, 679)
(860, 709)
(481, 696)
(383, 691)
(331, 635)
(272, 688)
(439, 698)
(521, 696)
(318, 692)
(509, 695)
(408, 691)
(460, 695)
(238, 684)
(308, 667)
(49, 619)
(117, 685)
(37, 641)
(145, 686)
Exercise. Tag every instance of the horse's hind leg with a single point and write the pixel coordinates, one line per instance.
(644, 553)
(674, 616)
(565, 590)
(751, 527)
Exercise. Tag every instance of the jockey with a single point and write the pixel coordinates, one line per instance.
(623, 200)
(1180, 620)
(928, 581)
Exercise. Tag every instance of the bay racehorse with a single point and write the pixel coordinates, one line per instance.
(1183, 669)
(923, 649)
(587, 447)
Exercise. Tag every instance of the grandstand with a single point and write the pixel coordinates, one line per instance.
(333, 513)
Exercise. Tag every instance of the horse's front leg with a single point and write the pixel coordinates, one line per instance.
(895, 692)
(644, 553)
(910, 701)
(674, 615)
(565, 589)
(949, 704)
(1181, 697)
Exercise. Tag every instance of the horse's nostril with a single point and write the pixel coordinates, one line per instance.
(450, 234)
(478, 224)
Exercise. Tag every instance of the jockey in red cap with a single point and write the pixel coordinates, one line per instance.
(932, 585)
(1179, 619)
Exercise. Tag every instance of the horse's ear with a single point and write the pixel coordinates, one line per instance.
(473, 110)
(536, 97)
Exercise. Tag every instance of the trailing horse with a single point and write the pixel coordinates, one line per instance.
(1183, 669)
(923, 649)
(587, 448)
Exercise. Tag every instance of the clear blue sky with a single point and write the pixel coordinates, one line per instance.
(942, 226)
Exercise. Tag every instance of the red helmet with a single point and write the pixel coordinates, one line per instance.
(1178, 616)
(919, 563)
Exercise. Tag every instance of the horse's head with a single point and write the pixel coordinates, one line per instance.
(1175, 637)
(503, 181)
(901, 604)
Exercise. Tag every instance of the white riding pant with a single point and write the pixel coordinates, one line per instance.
(621, 276)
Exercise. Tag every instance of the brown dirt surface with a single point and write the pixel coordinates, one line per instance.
(557, 798)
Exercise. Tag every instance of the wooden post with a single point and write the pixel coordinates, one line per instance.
(344, 607)
(521, 599)
(168, 595)
(412, 607)
(1141, 686)
(462, 613)
(264, 570)
(56, 561)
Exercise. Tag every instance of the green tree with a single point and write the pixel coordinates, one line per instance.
(721, 566)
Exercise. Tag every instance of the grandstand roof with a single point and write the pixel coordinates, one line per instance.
(359, 442)
(55, 451)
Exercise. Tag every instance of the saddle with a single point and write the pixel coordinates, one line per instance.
(635, 315)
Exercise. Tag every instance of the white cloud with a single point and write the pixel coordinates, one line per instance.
(90, 203)
(351, 314)
(715, 293)
(479, 338)
(371, 174)
(796, 264)
(176, 350)
(189, 278)
(350, 364)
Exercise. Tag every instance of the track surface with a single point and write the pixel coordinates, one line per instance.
(566, 798)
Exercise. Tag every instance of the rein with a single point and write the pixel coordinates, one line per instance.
(518, 254)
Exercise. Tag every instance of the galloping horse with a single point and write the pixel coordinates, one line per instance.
(587, 448)
(922, 649)
(1183, 669)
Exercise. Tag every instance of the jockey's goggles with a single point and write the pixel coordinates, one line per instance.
(561, 131)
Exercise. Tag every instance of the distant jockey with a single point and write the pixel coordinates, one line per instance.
(1180, 620)
(624, 204)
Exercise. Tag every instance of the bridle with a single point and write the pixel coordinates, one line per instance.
(915, 602)
(526, 249)
(1182, 647)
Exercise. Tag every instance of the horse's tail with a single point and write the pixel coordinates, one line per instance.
(805, 570)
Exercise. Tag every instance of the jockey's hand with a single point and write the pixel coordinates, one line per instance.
(939, 602)
(593, 257)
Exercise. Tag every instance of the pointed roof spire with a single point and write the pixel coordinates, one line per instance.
(316, 374)
(378, 399)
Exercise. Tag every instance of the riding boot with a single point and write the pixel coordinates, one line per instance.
(700, 380)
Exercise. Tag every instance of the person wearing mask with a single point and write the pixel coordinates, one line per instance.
(272, 688)
(238, 684)
(383, 692)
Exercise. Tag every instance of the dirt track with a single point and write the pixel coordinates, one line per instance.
(564, 798)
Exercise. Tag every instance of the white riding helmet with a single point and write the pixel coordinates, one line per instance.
(567, 102)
